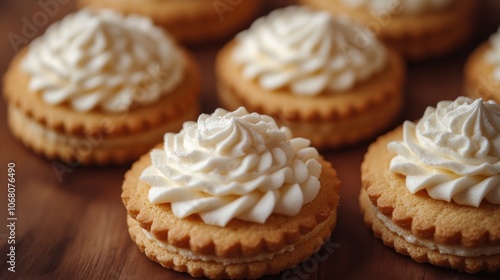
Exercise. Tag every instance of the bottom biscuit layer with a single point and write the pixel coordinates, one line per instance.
(199, 266)
(421, 253)
(90, 149)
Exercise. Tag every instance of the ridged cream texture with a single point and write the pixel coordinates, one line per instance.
(452, 152)
(493, 55)
(401, 6)
(233, 165)
(103, 60)
(308, 52)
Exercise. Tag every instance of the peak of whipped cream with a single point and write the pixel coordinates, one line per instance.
(453, 152)
(404, 6)
(231, 165)
(492, 55)
(103, 60)
(308, 52)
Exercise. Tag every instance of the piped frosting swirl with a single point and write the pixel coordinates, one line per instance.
(453, 152)
(103, 60)
(231, 165)
(308, 52)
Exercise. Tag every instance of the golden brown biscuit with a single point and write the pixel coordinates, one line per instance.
(417, 36)
(328, 120)
(95, 137)
(189, 245)
(399, 217)
(190, 21)
(478, 74)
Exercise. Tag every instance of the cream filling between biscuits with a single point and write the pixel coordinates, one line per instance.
(454, 250)
(225, 261)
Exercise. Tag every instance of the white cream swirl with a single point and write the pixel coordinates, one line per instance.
(453, 152)
(492, 55)
(404, 6)
(307, 51)
(233, 165)
(101, 59)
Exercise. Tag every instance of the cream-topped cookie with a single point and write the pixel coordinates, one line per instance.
(100, 87)
(315, 73)
(430, 189)
(251, 199)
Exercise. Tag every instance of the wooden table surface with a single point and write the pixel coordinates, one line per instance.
(75, 228)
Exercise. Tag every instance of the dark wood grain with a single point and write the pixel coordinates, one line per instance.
(75, 228)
